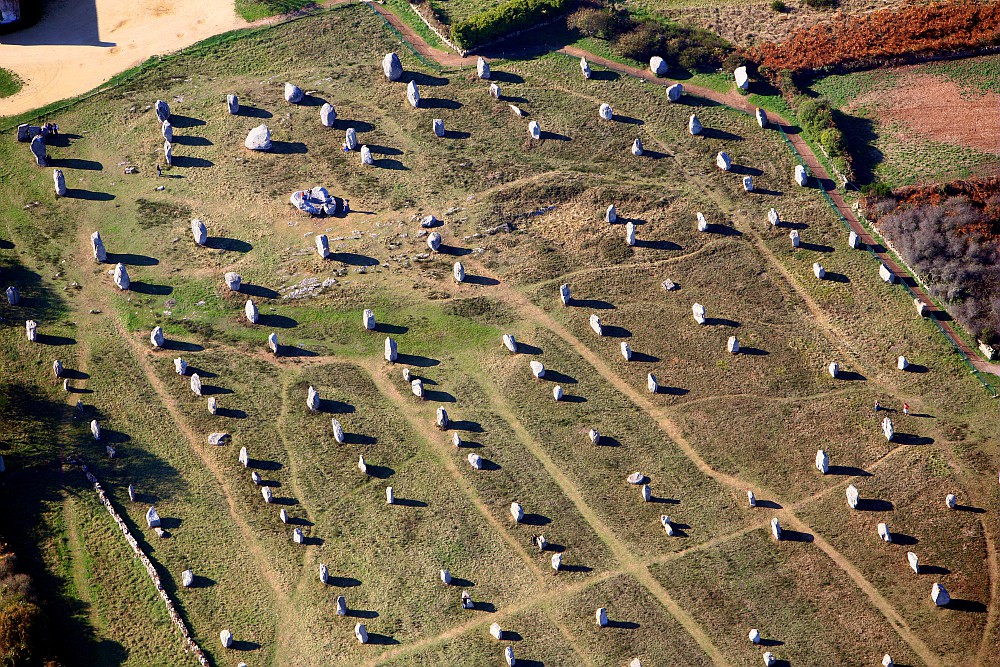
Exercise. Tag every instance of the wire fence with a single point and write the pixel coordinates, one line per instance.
(988, 382)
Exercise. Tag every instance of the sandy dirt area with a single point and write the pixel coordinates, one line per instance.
(80, 44)
(935, 108)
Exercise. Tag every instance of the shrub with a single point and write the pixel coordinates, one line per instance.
(504, 19)
(815, 115)
(22, 627)
(832, 141)
(690, 48)
(779, 6)
(601, 23)
(641, 44)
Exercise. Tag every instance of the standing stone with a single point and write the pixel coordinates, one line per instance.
(272, 343)
(652, 384)
(595, 324)
(496, 632)
(611, 214)
(57, 368)
(196, 384)
(508, 656)
(152, 518)
(887, 661)
(168, 153)
(557, 392)
(564, 294)
(675, 92)
(250, 310)
(198, 232)
(232, 104)
(168, 131)
(748, 183)
(100, 254)
(658, 66)
(601, 616)
(630, 233)
(819, 271)
(441, 418)
(95, 429)
(162, 110)
(362, 466)
(438, 127)
(761, 116)
(723, 161)
(702, 222)
(456, 440)
(312, 399)
(950, 501)
(156, 337)
(233, 281)
(324, 573)
(605, 112)
(458, 272)
(322, 246)
(121, 277)
(626, 351)
(647, 493)
(226, 637)
(59, 182)
(31, 328)
(537, 369)
(258, 139)
(341, 606)
(940, 595)
(180, 366)
(883, 533)
(351, 139)
(482, 68)
(698, 311)
(637, 147)
(297, 535)
(534, 130)
(283, 515)
(412, 94)
(887, 429)
(368, 319)
(834, 369)
(445, 577)
(391, 66)
(853, 240)
(822, 461)
(360, 633)
(754, 636)
(751, 499)
(773, 218)
(434, 241)
(556, 561)
(694, 125)
(595, 436)
(390, 498)
(733, 345)
(510, 343)
(852, 496)
(267, 494)
(742, 79)
(213, 405)
(585, 68)
(13, 296)
(390, 350)
(476, 461)
(417, 387)
(769, 659)
(495, 91)
(187, 578)
(244, 457)
(517, 512)
(327, 115)
(667, 524)
(293, 94)
(366, 156)
(38, 150)
(776, 528)
(902, 363)
(914, 562)
(801, 177)
(338, 431)
(794, 236)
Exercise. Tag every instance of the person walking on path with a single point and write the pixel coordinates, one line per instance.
(877, 407)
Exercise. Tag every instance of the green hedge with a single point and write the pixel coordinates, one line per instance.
(504, 19)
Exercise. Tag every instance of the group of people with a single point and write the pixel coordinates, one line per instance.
(906, 407)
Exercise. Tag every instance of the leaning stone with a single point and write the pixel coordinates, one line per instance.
(694, 125)
(761, 116)
(250, 310)
(121, 278)
(940, 595)
(187, 578)
(199, 232)
(698, 311)
(537, 369)
(13, 296)
(38, 150)
(605, 111)
(775, 528)
(168, 131)
(312, 399)
(595, 324)
(723, 161)
(338, 432)
(258, 139)
(517, 512)
(441, 418)
(438, 126)
(293, 94)
(341, 606)
(219, 439)
(883, 533)
(226, 637)
(914, 562)
(637, 147)
(510, 343)
(601, 616)
(458, 272)
(585, 68)
(675, 92)
(232, 104)
(658, 66)
(233, 281)
(801, 177)
(180, 366)
(156, 337)
(412, 94)
(390, 350)
(822, 461)
(327, 115)
(557, 392)
(366, 156)
(476, 461)
(152, 518)
(742, 79)
(322, 246)
(564, 295)
(391, 66)
(59, 182)
(852, 496)
(360, 633)
(162, 110)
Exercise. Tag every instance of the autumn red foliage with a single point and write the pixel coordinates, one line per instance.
(886, 35)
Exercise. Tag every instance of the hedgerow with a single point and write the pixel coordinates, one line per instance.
(511, 16)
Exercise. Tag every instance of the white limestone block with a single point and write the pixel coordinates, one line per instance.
(914, 562)
(801, 177)
(584, 68)
(698, 311)
(510, 343)
(902, 364)
(630, 233)
(537, 369)
(95, 429)
(121, 278)
(434, 241)
(476, 461)
(445, 577)
(794, 236)
(496, 632)
(694, 125)
(338, 431)
(883, 533)
(557, 392)
(417, 387)
(742, 79)
(458, 272)
(595, 324)
(674, 92)
(564, 295)
(822, 461)
(668, 526)
(834, 369)
(819, 271)
(152, 518)
(250, 310)
(312, 399)
(637, 148)
(940, 595)
(626, 351)
(272, 343)
(748, 183)
(391, 352)
(324, 573)
(266, 494)
(773, 217)
(226, 637)
(413, 94)
(751, 499)
(482, 68)
(723, 161)
(652, 384)
(611, 214)
(761, 117)
(646, 493)
(702, 222)
(950, 501)
(733, 345)
(601, 616)
(366, 156)
(853, 240)
(361, 633)
(853, 497)
(362, 466)
(775, 528)
(534, 130)
(517, 512)
(441, 418)
(196, 384)
(887, 429)
(390, 497)
(156, 337)
(754, 636)
(556, 561)
(605, 111)
(595, 436)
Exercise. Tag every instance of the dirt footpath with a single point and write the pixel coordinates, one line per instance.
(80, 44)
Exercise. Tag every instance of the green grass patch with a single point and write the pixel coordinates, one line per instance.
(10, 83)
(254, 10)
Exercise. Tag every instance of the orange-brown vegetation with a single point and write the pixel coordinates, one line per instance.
(881, 36)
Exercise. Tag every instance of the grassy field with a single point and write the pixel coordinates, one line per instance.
(253, 10)
(9, 83)
(523, 217)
